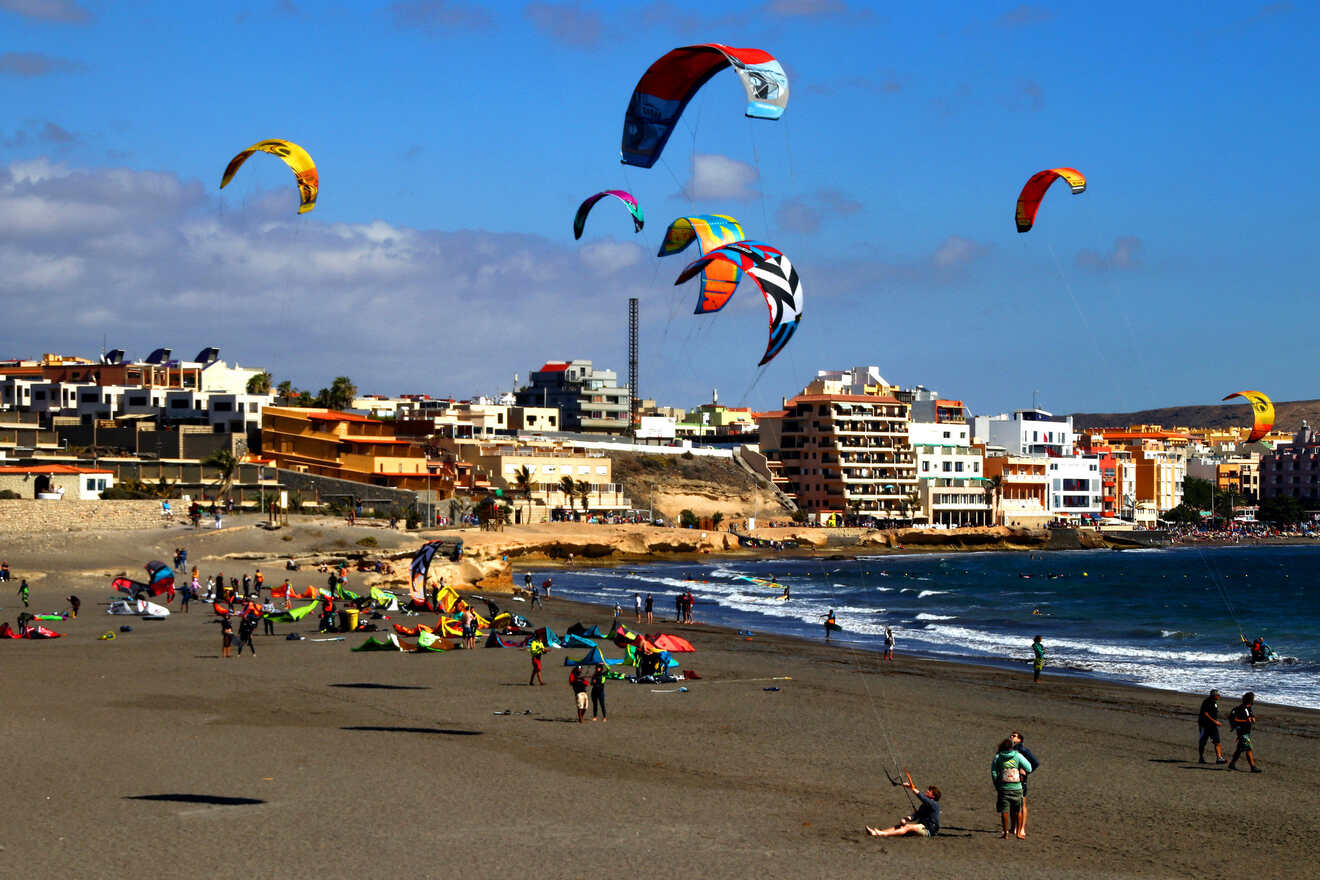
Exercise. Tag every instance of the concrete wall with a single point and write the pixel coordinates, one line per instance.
(27, 517)
(327, 490)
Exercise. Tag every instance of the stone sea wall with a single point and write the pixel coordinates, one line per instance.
(31, 517)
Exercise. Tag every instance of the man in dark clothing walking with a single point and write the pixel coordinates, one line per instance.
(1208, 723)
(1242, 718)
(246, 627)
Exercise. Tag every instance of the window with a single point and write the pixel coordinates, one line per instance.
(178, 404)
(91, 397)
(226, 406)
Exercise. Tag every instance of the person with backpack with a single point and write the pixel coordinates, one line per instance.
(1035, 765)
(536, 650)
(246, 627)
(1007, 770)
(1242, 719)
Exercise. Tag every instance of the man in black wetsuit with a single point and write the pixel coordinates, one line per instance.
(1207, 721)
(925, 822)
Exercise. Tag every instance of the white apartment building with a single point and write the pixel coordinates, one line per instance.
(1075, 487)
(1026, 432)
(950, 479)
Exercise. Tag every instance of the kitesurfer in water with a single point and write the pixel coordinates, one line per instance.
(1260, 651)
(829, 624)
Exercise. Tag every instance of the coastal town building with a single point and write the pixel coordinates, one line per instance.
(951, 485)
(1293, 469)
(1075, 489)
(588, 399)
(348, 446)
(1021, 489)
(1158, 460)
(205, 390)
(468, 420)
(558, 479)
(55, 481)
(1026, 432)
(844, 455)
(715, 423)
(865, 381)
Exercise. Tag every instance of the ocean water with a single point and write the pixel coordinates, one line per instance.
(1167, 618)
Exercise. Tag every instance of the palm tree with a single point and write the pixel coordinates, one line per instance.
(569, 488)
(285, 392)
(584, 493)
(260, 383)
(523, 476)
(992, 487)
(339, 395)
(223, 461)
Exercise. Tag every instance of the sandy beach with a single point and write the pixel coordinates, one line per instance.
(148, 754)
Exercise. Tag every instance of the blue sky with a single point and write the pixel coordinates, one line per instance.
(454, 141)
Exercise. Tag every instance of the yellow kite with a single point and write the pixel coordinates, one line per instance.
(304, 169)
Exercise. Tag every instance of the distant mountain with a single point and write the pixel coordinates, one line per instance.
(1287, 416)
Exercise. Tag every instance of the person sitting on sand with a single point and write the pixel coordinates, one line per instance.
(925, 822)
(1007, 769)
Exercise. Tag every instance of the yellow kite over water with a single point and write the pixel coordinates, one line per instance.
(304, 169)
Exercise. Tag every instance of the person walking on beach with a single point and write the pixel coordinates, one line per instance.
(889, 644)
(598, 692)
(1007, 769)
(226, 637)
(246, 627)
(1242, 718)
(1038, 658)
(74, 604)
(23, 591)
(536, 649)
(1208, 724)
(637, 606)
(829, 624)
(650, 604)
(186, 594)
(925, 822)
(1035, 765)
(267, 613)
(545, 585)
(678, 607)
(578, 682)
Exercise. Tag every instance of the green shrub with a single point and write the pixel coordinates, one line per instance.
(368, 541)
(687, 519)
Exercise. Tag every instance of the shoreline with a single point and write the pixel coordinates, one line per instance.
(151, 729)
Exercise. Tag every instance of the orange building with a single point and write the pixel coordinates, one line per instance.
(349, 447)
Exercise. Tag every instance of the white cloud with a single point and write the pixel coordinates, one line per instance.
(956, 251)
(719, 177)
(1125, 254)
(66, 11)
(150, 259)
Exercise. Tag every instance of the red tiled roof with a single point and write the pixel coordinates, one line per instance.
(48, 469)
(554, 367)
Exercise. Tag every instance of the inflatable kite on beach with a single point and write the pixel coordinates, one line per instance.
(628, 199)
(1028, 202)
(1263, 411)
(668, 84)
(304, 169)
(773, 274)
(720, 278)
(449, 548)
(160, 579)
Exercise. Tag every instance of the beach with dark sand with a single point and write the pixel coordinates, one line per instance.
(148, 755)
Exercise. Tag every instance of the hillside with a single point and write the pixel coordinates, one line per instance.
(700, 484)
(1288, 416)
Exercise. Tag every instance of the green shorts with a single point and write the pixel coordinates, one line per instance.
(1244, 741)
(1008, 801)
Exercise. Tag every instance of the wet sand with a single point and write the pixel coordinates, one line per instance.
(148, 755)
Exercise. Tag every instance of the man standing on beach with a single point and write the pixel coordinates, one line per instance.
(536, 649)
(23, 591)
(246, 627)
(1242, 718)
(1008, 768)
(1038, 660)
(1208, 724)
(650, 604)
(74, 604)
(1035, 765)
(545, 586)
(598, 692)
(578, 682)
(889, 644)
(637, 606)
